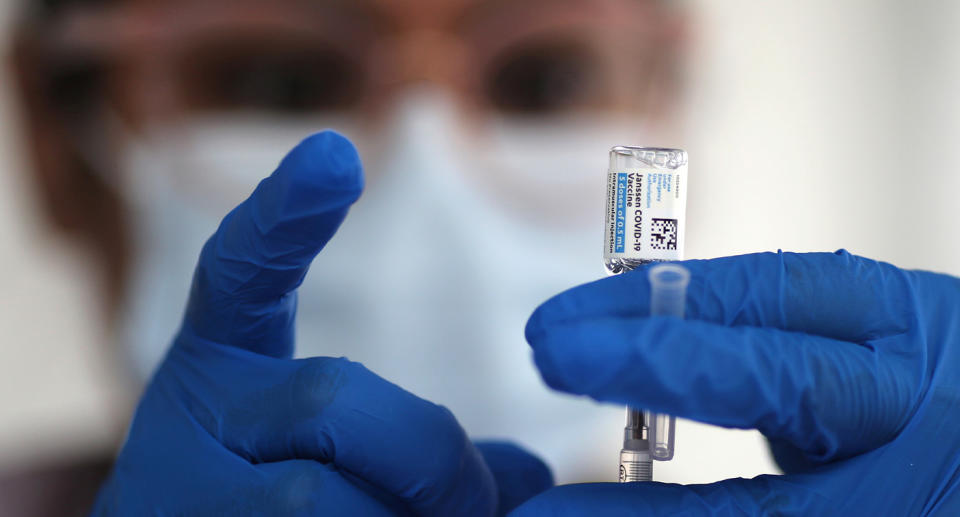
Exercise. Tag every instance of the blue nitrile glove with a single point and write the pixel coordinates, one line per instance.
(850, 367)
(231, 425)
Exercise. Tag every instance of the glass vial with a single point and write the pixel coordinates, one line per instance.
(646, 206)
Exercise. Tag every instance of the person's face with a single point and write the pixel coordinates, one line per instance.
(496, 57)
(531, 66)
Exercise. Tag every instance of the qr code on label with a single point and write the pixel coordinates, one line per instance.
(663, 234)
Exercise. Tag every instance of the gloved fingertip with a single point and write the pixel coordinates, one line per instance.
(533, 331)
(306, 198)
(549, 362)
(788, 457)
(325, 161)
(551, 312)
(519, 474)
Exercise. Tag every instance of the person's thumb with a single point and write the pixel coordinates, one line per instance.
(243, 291)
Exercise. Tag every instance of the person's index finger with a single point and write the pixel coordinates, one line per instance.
(260, 253)
(836, 295)
(829, 398)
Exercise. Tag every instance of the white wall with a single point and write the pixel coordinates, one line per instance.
(930, 76)
(820, 125)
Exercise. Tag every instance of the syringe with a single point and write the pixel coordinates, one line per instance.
(646, 204)
(649, 436)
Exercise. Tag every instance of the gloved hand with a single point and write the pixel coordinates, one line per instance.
(231, 425)
(850, 367)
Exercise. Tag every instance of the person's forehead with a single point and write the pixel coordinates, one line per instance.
(131, 26)
(404, 13)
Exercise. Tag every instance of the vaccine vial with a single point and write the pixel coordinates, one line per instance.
(646, 206)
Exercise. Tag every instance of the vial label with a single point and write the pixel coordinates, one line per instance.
(645, 214)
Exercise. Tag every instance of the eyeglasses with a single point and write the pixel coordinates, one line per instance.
(518, 58)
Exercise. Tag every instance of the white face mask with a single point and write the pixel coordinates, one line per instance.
(431, 278)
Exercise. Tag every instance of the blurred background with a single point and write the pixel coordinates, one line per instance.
(811, 126)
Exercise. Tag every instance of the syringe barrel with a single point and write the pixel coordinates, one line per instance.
(635, 466)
